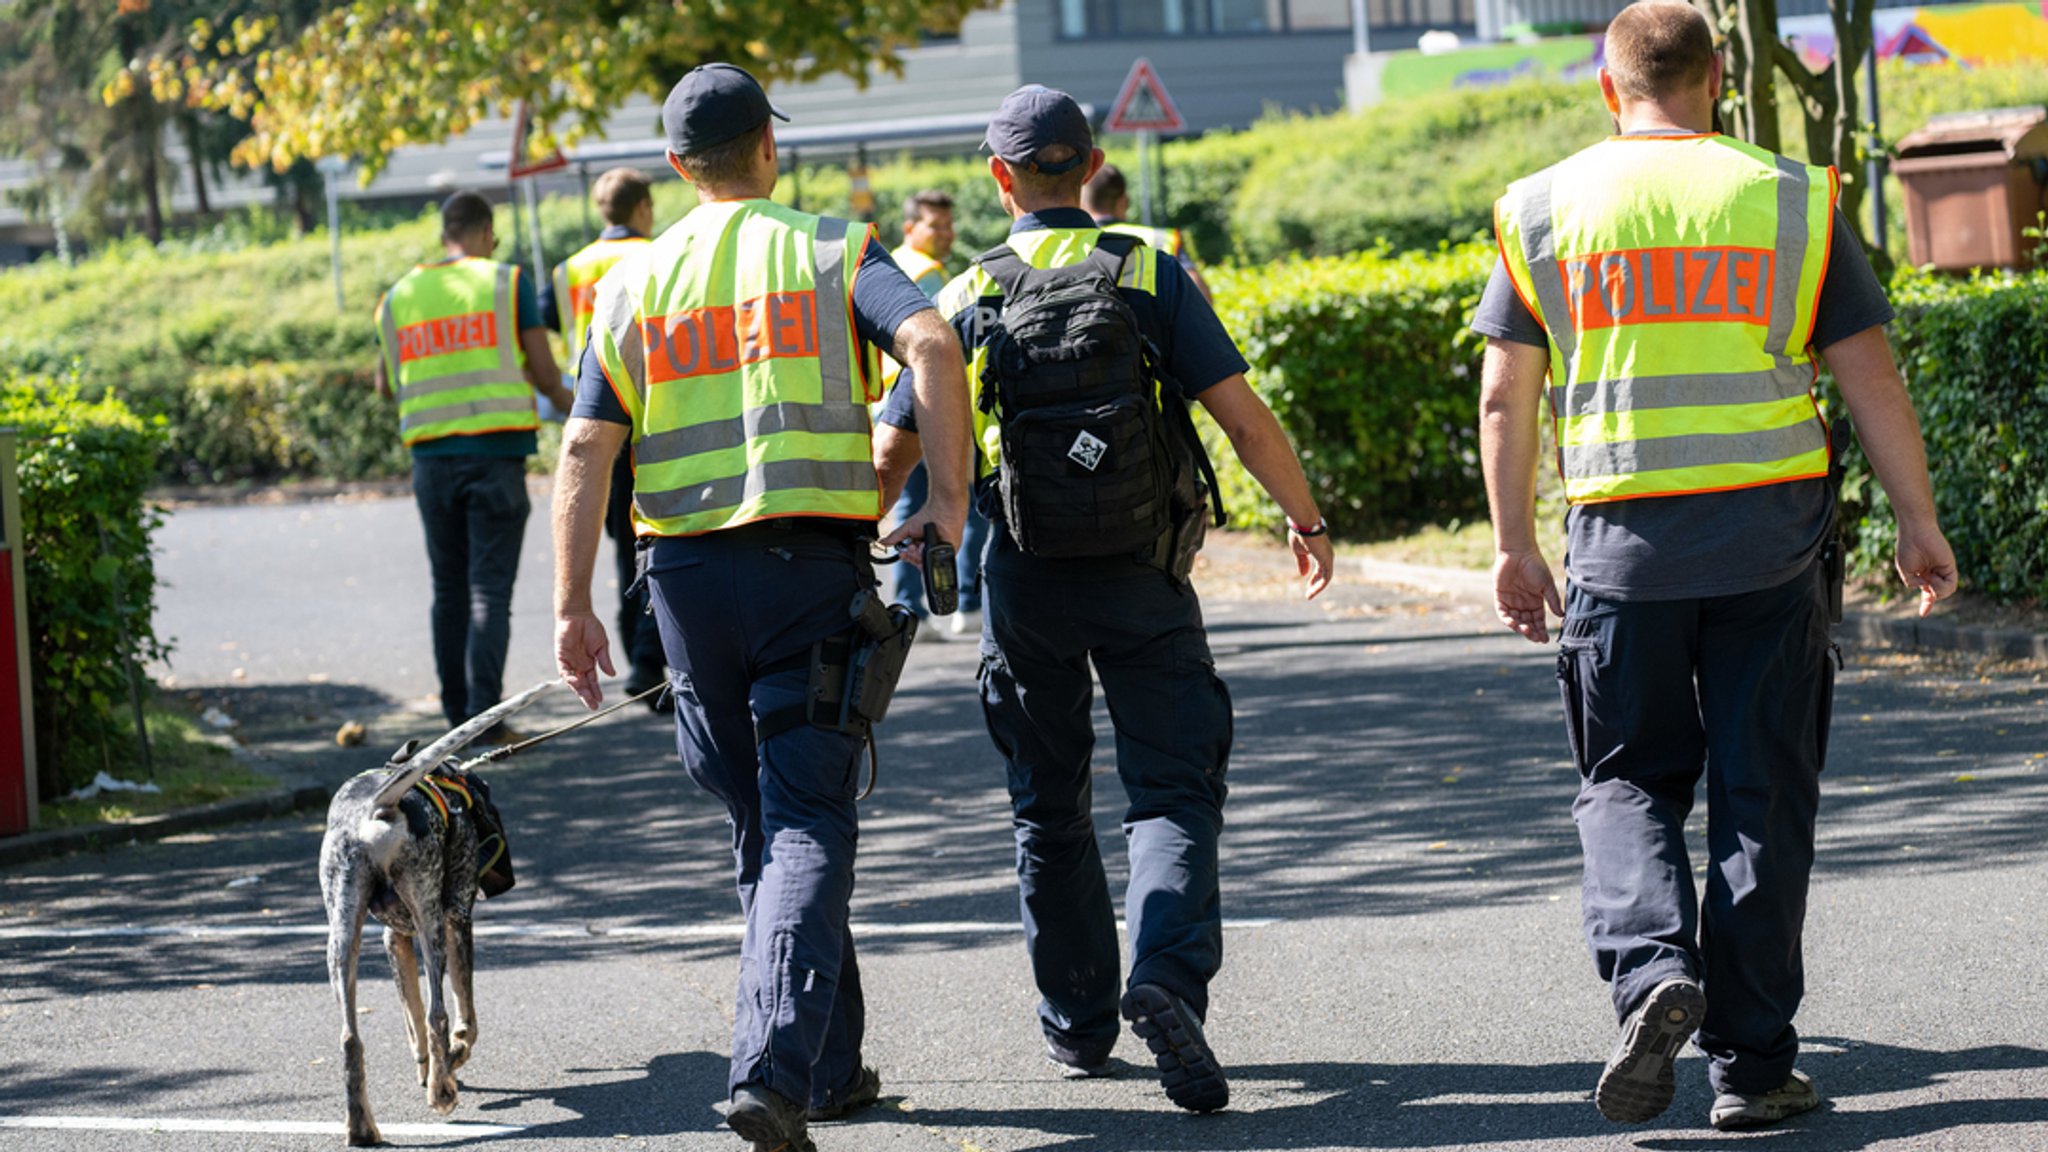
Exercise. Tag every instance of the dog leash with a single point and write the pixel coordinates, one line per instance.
(497, 754)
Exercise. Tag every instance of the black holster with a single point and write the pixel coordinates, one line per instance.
(852, 675)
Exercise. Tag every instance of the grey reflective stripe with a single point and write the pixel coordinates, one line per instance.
(508, 323)
(1630, 457)
(1788, 261)
(476, 379)
(828, 286)
(1639, 393)
(618, 309)
(1539, 248)
(772, 476)
(818, 419)
(442, 413)
(390, 329)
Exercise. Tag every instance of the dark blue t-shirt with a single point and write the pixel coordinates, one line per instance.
(1707, 543)
(1197, 351)
(526, 317)
(883, 298)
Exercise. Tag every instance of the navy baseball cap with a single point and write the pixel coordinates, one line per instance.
(712, 104)
(1033, 117)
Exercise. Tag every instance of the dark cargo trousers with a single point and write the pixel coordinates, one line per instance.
(730, 605)
(1656, 693)
(1045, 622)
(473, 510)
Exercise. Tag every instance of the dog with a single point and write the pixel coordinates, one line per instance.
(410, 843)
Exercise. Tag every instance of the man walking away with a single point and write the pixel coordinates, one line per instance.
(464, 350)
(740, 355)
(624, 197)
(1674, 285)
(1098, 504)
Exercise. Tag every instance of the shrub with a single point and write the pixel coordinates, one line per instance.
(1975, 356)
(270, 421)
(1369, 365)
(91, 581)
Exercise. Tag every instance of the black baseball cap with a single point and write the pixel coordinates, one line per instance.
(712, 104)
(1033, 117)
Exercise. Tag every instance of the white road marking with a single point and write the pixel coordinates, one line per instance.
(457, 1131)
(542, 931)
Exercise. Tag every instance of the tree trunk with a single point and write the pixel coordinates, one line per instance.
(142, 122)
(1749, 90)
(1829, 106)
(197, 159)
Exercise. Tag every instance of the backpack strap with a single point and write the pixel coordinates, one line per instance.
(1005, 267)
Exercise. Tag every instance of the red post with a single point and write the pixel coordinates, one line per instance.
(17, 716)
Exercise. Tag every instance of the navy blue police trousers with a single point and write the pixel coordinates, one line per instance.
(1658, 693)
(1045, 622)
(737, 610)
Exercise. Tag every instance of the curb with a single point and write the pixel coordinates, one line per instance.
(1863, 627)
(280, 801)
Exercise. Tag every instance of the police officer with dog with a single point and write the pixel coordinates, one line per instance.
(1084, 349)
(465, 350)
(738, 352)
(1673, 287)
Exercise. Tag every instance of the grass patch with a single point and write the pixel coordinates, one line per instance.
(190, 769)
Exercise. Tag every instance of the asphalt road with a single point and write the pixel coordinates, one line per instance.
(1404, 965)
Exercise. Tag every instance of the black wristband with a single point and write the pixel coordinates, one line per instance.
(1322, 528)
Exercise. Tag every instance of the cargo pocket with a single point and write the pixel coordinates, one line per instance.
(1578, 657)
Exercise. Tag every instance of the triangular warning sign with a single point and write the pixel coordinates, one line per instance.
(1142, 105)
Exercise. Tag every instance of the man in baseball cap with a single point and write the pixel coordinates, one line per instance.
(746, 306)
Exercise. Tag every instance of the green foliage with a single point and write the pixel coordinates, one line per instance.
(1369, 364)
(1975, 357)
(1411, 175)
(271, 420)
(91, 581)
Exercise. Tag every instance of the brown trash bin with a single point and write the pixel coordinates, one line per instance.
(1973, 180)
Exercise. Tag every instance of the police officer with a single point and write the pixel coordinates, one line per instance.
(739, 352)
(1047, 619)
(625, 199)
(1108, 199)
(1674, 285)
(465, 350)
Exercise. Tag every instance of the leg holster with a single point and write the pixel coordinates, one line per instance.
(852, 675)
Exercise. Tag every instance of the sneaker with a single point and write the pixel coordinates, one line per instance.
(1187, 1068)
(769, 1120)
(1637, 1084)
(865, 1090)
(1733, 1110)
(1077, 1065)
(965, 622)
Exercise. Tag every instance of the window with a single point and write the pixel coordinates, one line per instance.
(1081, 19)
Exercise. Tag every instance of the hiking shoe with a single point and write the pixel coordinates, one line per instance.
(768, 1119)
(865, 1090)
(1734, 1110)
(1187, 1068)
(1076, 1066)
(1637, 1084)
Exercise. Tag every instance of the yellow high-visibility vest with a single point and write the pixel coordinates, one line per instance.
(1040, 248)
(731, 344)
(1677, 278)
(928, 274)
(451, 351)
(576, 287)
(1167, 240)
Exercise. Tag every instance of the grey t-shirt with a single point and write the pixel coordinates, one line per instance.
(1711, 543)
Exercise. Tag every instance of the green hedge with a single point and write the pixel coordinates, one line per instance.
(1975, 357)
(1368, 362)
(91, 581)
(271, 421)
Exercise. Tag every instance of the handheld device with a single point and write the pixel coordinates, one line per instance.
(941, 578)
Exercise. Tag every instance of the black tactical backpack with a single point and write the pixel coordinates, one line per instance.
(1095, 461)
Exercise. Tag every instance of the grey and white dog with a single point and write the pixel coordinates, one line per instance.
(392, 851)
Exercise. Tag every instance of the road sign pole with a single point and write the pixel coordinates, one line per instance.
(533, 230)
(1145, 178)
